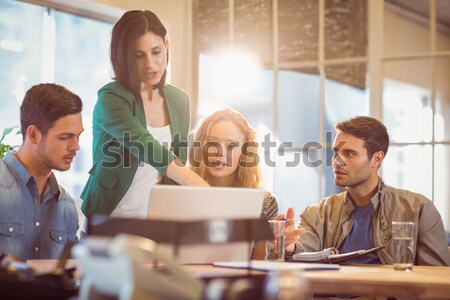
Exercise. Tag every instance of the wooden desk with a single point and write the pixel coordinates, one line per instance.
(422, 282)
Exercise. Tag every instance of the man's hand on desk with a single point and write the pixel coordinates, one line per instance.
(292, 234)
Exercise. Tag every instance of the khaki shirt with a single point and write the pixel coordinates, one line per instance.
(328, 223)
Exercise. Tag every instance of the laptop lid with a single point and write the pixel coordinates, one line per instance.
(185, 203)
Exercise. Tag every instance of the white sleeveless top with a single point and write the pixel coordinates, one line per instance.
(134, 203)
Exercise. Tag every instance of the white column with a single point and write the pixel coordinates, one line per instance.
(375, 53)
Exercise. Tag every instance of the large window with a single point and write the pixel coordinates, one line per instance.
(322, 61)
(20, 56)
(311, 71)
(416, 98)
(53, 46)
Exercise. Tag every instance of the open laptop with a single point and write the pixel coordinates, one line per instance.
(183, 203)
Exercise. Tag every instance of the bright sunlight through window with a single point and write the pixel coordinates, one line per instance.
(234, 74)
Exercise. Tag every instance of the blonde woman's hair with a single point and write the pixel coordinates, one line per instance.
(247, 175)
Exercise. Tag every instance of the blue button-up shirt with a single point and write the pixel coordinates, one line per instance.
(30, 229)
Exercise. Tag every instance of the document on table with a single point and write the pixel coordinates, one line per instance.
(276, 266)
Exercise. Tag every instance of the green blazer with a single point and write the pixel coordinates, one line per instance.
(121, 140)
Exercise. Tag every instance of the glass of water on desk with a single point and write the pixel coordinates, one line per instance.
(275, 247)
(403, 233)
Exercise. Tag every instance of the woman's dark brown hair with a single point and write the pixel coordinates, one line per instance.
(126, 31)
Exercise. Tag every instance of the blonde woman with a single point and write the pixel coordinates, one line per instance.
(224, 153)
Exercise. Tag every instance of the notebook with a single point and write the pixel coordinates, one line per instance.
(183, 203)
(332, 255)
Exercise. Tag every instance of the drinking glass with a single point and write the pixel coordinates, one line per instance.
(403, 233)
(275, 247)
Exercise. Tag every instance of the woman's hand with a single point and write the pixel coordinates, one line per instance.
(183, 175)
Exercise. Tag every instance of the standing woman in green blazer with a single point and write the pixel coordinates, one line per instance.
(140, 123)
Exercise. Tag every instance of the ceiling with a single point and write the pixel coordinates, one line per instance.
(421, 9)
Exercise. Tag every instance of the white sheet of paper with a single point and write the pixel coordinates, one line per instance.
(276, 266)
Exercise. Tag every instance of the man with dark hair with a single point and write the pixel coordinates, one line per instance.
(361, 216)
(37, 215)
